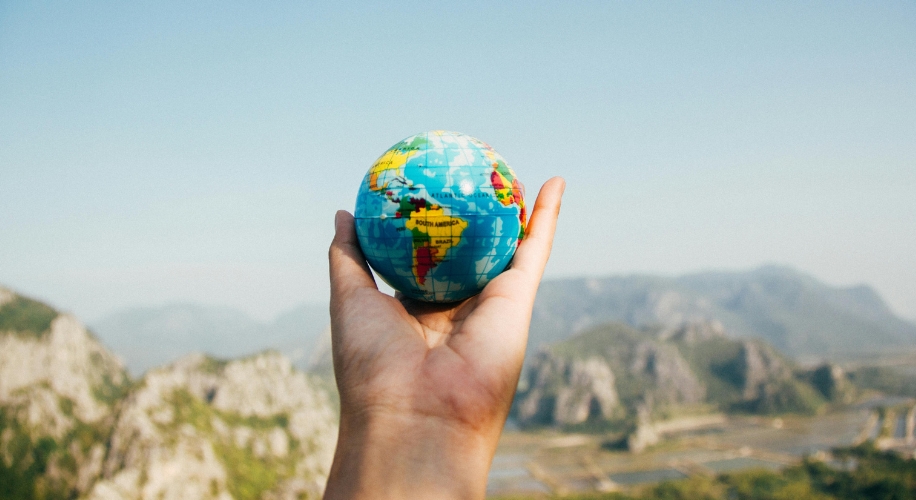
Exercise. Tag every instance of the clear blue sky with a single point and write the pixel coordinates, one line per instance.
(153, 152)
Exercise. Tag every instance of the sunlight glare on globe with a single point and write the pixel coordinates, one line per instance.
(439, 215)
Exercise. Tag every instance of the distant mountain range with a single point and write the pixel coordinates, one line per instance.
(147, 337)
(801, 316)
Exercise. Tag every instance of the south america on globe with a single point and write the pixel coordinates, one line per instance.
(439, 215)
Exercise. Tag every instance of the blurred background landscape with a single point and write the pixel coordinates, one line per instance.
(728, 312)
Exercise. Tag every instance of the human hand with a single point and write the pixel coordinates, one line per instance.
(425, 389)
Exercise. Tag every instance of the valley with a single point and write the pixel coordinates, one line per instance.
(552, 463)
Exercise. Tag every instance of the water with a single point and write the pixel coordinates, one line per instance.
(510, 473)
(900, 429)
(647, 476)
(521, 486)
(741, 463)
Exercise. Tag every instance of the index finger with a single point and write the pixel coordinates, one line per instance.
(533, 252)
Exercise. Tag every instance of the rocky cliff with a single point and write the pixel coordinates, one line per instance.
(59, 392)
(200, 428)
(569, 391)
(617, 373)
(73, 425)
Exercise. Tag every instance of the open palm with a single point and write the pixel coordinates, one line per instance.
(449, 365)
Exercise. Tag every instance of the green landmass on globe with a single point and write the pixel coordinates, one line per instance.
(439, 215)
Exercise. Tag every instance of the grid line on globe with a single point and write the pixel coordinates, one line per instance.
(439, 215)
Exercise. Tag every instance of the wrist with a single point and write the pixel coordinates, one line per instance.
(410, 456)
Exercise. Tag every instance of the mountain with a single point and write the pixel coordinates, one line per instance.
(59, 389)
(202, 428)
(74, 425)
(613, 374)
(147, 337)
(796, 313)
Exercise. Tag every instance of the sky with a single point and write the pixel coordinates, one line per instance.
(159, 152)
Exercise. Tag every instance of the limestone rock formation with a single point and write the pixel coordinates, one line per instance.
(693, 331)
(626, 377)
(66, 364)
(73, 424)
(769, 384)
(58, 395)
(644, 435)
(760, 369)
(200, 428)
(672, 379)
(832, 383)
(580, 380)
(578, 389)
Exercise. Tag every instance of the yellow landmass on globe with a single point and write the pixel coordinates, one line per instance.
(434, 233)
(388, 165)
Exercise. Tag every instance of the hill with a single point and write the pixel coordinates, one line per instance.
(59, 390)
(73, 424)
(799, 315)
(614, 376)
(147, 337)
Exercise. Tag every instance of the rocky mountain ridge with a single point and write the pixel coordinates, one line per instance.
(799, 315)
(74, 425)
(614, 376)
(59, 389)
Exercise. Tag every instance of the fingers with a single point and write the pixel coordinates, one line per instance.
(497, 330)
(349, 270)
(533, 252)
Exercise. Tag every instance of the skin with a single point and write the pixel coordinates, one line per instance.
(425, 389)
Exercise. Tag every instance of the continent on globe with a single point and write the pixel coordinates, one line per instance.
(434, 233)
(508, 190)
(388, 167)
(439, 215)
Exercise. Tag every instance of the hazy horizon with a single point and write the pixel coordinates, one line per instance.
(152, 154)
(266, 319)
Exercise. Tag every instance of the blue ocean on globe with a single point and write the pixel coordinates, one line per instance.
(439, 215)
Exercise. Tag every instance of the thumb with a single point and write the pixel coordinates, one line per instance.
(348, 268)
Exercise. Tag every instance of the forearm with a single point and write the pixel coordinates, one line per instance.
(403, 457)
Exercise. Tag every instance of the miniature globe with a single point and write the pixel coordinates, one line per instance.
(439, 215)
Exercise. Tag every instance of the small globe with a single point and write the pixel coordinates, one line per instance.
(439, 215)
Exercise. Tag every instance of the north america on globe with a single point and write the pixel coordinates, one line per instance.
(439, 215)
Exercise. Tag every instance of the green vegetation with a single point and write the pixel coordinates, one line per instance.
(720, 365)
(191, 410)
(213, 365)
(110, 392)
(23, 464)
(234, 419)
(24, 461)
(788, 396)
(26, 317)
(858, 473)
(888, 380)
(619, 427)
(248, 476)
(715, 361)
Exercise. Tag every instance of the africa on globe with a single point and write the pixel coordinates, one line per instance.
(439, 215)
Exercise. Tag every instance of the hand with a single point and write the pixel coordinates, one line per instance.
(425, 389)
